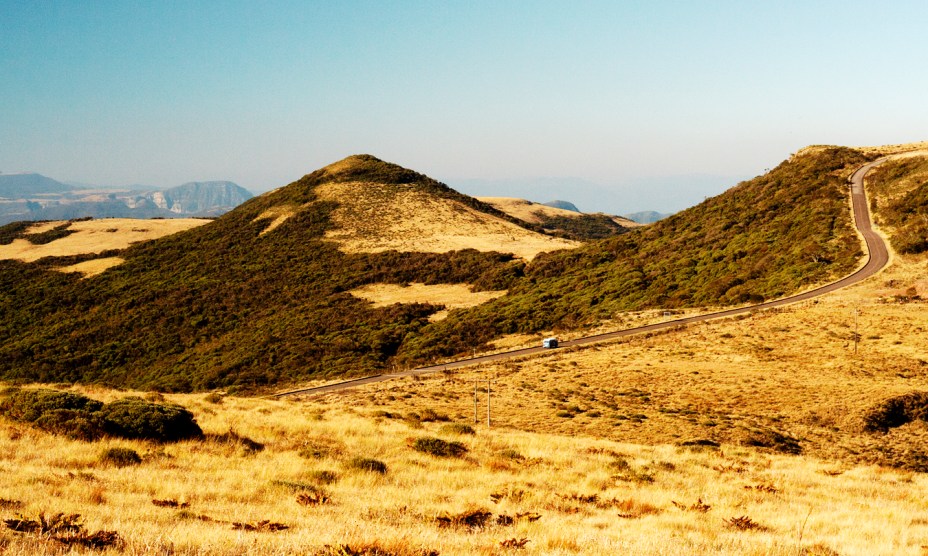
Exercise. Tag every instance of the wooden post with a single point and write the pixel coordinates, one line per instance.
(475, 401)
(488, 403)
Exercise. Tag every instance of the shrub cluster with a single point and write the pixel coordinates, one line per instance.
(897, 411)
(82, 418)
(438, 447)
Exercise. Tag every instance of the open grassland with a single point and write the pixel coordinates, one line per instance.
(794, 379)
(373, 218)
(309, 490)
(92, 236)
(451, 296)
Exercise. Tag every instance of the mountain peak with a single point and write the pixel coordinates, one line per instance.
(368, 168)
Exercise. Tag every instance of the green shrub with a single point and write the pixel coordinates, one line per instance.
(457, 428)
(512, 454)
(72, 423)
(214, 397)
(323, 477)
(232, 438)
(439, 447)
(29, 405)
(136, 418)
(120, 457)
(897, 411)
(367, 464)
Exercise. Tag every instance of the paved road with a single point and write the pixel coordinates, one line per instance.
(877, 258)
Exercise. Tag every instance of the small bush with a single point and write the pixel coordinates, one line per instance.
(232, 438)
(30, 405)
(439, 447)
(457, 428)
(367, 464)
(120, 457)
(323, 477)
(897, 411)
(512, 454)
(136, 418)
(72, 423)
(215, 397)
(79, 417)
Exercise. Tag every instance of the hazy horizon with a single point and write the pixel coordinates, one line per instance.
(628, 97)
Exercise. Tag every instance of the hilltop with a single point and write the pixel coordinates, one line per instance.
(560, 220)
(336, 274)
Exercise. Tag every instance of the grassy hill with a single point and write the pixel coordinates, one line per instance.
(261, 295)
(767, 237)
(255, 297)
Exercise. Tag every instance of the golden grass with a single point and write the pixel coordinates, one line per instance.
(95, 236)
(278, 216)
(452, 296)
(415, 221)
(92, 267)
(593, 496)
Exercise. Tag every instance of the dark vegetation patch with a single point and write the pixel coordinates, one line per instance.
(82, 418)
(457, 428)
(67, 529)
(897, 411)
(223, 307)
(232, 438)
(369, 465)
(770, 439)
(438, 447)
(583, 227)
(120, 457)
(907, 213)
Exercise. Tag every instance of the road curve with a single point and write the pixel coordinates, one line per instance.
(877, 258)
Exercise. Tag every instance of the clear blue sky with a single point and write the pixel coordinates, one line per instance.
(609, 92)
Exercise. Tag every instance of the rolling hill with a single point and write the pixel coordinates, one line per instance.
(263, 295)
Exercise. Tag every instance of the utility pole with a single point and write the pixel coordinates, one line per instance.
(475, 401)
(488, 403)
(856, 335)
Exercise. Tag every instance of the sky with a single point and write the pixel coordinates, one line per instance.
(630, 105)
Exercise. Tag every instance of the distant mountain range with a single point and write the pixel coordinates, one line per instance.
(646, 217)
(37, 197)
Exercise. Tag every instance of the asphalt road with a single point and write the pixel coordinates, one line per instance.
(877, 258)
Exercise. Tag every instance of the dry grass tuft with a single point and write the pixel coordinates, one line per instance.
(470, 519)
(768, 488)
(744, 523)
(263, 526)
(314, 498)
(67, 529)
(169, 503)
(633, 509)
(698, 506)
(514, 543)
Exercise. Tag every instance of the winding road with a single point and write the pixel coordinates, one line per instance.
(877, 258)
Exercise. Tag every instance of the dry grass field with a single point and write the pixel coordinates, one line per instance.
(305, 492)
(417, 221)
(95, 236)
(452, 296)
